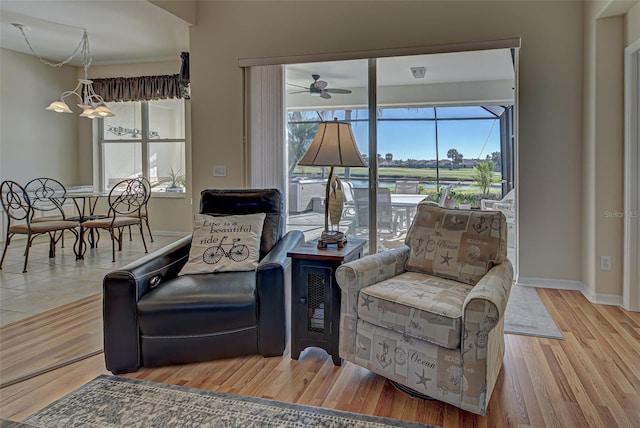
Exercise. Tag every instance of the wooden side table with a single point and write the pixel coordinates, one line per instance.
(315, 295)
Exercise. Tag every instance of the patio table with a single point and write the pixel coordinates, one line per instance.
(405, 204)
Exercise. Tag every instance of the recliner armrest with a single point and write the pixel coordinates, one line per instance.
(154, 268)
(121, 291)
(277, 257)
(272, 273)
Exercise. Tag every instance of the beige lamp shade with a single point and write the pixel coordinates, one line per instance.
(60, 107)
(333, 145)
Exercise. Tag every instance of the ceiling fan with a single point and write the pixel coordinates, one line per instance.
(319, 88)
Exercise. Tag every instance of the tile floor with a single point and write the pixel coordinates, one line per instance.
(50, 283)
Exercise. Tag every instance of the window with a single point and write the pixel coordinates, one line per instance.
(432, 145)
(144, 138)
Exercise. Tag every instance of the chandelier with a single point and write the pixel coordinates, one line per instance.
(92, 104)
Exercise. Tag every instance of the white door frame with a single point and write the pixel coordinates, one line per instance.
(631, 251)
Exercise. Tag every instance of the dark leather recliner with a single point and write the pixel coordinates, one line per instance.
(153, 317)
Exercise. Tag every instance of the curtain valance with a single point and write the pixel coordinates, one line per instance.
(145, 88)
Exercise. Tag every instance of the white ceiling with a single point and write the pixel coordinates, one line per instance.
(475, 66)
(119, 31)
(477, 77)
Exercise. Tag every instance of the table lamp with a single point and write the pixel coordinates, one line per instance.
(333, 145)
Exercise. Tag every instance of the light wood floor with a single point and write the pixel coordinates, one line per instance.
(590, 379)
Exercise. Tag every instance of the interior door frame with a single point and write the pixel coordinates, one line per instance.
(631, 251)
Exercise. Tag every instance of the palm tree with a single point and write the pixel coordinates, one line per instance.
(483, 177)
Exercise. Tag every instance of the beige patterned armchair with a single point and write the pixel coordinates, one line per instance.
(430, 316)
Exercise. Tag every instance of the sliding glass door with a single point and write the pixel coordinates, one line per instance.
(317, 92)
(442, 123)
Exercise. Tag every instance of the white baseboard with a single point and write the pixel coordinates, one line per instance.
(564, 284)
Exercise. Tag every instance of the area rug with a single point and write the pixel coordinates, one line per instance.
(110, 401)
(527, 315)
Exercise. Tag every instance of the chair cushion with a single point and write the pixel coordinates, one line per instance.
(457, 244)
(108, 222)
(224, 244)
(199, 304)
(43, 226)
(418, 305)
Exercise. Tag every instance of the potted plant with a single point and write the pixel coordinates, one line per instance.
(450, 200)
(177, 181)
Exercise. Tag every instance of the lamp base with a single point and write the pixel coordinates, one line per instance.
(332, 237)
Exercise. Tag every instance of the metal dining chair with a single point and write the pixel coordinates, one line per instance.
(126, 200)
(144, 210)
(19, 211)
(48, 196)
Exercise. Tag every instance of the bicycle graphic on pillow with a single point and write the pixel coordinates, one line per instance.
(237, 252)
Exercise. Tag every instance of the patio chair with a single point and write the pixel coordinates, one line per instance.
(507, 205)
(349, 204)
(126, 200)
(508, 199)
(19, 212)
(404, 187)
(386, 220)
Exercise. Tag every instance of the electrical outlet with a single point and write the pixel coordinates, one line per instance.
(605, 262)
(219, 171)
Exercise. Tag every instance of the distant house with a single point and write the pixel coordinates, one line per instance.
(469, 163)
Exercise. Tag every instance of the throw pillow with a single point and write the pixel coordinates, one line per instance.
(222, 244)
(457, 244)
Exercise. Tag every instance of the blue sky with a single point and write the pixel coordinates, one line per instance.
(415, 139)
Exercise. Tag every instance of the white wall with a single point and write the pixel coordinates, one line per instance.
(550, 91)
(632, 24)
(35, 142)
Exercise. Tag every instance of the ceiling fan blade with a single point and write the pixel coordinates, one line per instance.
(324, 94)
(303, 87)
(338, 91)
(320, 84)
(299, 92)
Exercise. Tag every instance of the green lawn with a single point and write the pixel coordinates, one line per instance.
(462, 174)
